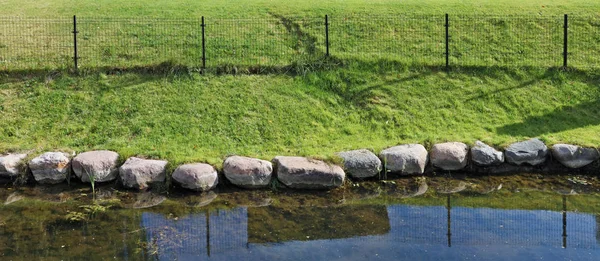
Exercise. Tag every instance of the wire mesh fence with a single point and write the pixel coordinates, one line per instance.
(422, 40)
(250, 42)
(35, 43)
(106, 42)
(507, 40)
(408, 39)
(584, 41)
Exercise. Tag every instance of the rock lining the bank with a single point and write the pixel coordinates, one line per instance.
(532, 152)
(405, 159)
(102, 165)
(449, 155)
(138, 173)
(304, 173)
(484, 155)
(196, 176)
(9, 165)
(574, 156)
(248, 172)
(361, 163)
(530, 156)
(50, 167)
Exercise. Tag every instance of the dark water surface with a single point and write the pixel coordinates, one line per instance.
(526, 217)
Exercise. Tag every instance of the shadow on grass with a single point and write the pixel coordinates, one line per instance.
(555, 74)
(351, 85)
(163, 69)
(561, 119)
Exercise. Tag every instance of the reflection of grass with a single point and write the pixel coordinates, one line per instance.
(530, 200)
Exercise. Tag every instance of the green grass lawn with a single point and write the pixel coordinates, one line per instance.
(386, 95)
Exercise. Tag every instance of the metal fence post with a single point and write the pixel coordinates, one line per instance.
(566, 41)
(447, 25)
(75, 57)
(203, 46)
(326, 35)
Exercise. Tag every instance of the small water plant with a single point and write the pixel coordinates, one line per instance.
(92, 178)
(74, 216)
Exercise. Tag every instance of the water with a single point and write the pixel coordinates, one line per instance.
(371, 221)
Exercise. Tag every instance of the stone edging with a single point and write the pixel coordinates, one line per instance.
(304, 173)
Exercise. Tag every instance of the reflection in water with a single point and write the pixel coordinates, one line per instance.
(197, 235)
(348, 232)
(273, 224)
(448, 208)
(359, 231)
(598, 228)
(564, 221)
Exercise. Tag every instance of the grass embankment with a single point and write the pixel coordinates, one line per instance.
(361, 101)
(188, 118)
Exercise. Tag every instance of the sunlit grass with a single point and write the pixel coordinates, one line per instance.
(139, 91)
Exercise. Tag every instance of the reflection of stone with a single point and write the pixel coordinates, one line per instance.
(417, 190)
(565, 191)
(452, 187)
(203, 200)
(257, 203)
(147, 200)
(14, 197)
(274, 224)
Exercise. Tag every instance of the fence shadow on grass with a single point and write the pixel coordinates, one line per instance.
(562, 118)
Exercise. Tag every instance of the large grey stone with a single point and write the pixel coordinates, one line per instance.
(248, 172)
(303, 173)
(50, 167)
(574, 156)
(361, 163)
(196, 176)
(9, 165)
(405, 159)
(101, 164)
(484, 155)
(532, 152)
(449, 155)
(138, 173)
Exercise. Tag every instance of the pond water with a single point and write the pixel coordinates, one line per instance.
(443, 218)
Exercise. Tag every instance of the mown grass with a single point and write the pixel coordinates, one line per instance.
(139, 92)
(255, 32)
(245, 8)
(206, 117)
